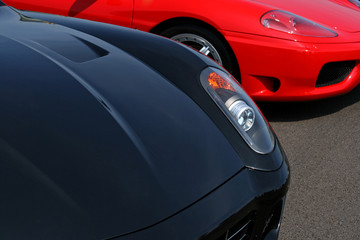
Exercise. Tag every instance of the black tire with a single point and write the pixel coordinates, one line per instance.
(209, 41)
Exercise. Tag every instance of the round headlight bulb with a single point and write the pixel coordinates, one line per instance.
(243, 114)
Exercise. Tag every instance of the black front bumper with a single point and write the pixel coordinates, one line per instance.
(248, 205)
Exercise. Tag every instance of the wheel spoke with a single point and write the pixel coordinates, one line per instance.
(198, 42)
(205, 50)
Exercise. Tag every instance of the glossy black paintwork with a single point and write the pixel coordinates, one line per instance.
(89, 155)
(181, 67)
(248, 191)
(113, 135)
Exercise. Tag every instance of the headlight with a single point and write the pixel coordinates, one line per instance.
(239, 109)
(293, 24)
(355, 2)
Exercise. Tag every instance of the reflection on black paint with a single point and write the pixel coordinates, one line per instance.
(79, 6)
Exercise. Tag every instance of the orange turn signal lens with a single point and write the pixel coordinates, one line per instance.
(216, 81)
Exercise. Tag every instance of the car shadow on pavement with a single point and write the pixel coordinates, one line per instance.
(296, 111)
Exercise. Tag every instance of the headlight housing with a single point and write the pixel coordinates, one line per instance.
(293, 24)
(239, 109)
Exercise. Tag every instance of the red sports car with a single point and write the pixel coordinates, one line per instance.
(280, 50)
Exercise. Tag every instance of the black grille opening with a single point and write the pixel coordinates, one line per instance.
(274, 219)
(235, 229)
(334, 72)
(240, 231)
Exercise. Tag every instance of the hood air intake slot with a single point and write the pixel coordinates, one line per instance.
(65, 44)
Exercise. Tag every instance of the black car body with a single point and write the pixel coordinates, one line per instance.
(107, 133)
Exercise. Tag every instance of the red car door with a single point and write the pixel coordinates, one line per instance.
(118, 12)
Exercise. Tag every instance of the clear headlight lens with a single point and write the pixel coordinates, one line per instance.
(293, 24)
(239, 109)
(355, 2)
(244, 114)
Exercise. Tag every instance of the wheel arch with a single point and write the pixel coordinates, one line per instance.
(193, 21)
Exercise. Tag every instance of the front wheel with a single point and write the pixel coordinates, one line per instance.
(205, 41)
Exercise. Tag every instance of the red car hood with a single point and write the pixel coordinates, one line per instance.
(332, 13)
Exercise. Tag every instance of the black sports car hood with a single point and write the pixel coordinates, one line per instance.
(113, 146)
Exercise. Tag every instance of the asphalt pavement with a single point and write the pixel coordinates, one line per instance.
(322, 143)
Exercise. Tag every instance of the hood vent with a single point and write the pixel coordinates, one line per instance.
(73, 48)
